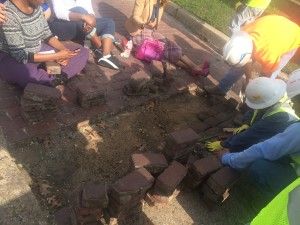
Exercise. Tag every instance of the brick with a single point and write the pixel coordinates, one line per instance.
(41, 128)
(190, 182)
(8, 103)
(182, 138)
(63, 216)
(156, 68)
(13, 112)
(40, 93)
(139, 80)
(94, 194)
(53, 67)
(212, 195)
(15, 135)
(201, 168)
(221, 117)
(204, 115)
(32, 117)
(29, 105)
(91, 91)
(131, 188)
(222, 180)
(170, 69)
(154, 163)
(232, 104)
(167, 181)
(200, 126)
(212, 121)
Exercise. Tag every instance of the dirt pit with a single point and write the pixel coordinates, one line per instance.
(58, 164)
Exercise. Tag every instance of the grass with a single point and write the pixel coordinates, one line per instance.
(218, 14)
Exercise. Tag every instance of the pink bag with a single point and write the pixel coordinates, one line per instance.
(150, 50)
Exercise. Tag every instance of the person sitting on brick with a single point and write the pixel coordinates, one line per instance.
(246, 12)
(274, 163)
(25, 35)
(258, 42)
(145, 18)
(271, 113)
(75, 20)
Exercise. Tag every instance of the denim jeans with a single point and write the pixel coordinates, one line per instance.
(234, 74)
(271, 177)
(72, 30)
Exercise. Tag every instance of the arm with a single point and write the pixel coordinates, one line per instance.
(87, 5)
(282, 144)
(262, 130)
(3, 17)
(138, 9)
(60, 10)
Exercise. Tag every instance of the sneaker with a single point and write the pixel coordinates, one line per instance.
(212, 89)
(98, 53)
(109, 61)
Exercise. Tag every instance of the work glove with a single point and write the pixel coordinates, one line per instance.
(237, 5)
(213, 145)
(241, 128)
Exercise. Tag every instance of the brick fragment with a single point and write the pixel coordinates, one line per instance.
(167, 181)
(222, 180)
(41, 93)
(53, 67)
(154, 163)
(94, 194)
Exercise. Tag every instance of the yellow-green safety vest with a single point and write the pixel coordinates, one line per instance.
(284, 209)
(261, 4)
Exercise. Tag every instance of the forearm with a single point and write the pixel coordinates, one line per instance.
(55, 43)
(38, 58)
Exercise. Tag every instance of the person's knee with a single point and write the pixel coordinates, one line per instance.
(78, 9)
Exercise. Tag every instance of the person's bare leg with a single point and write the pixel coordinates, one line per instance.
(107, 45)
(189, 64)
(96, 41)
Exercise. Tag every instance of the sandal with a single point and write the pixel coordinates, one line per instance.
(203, 72)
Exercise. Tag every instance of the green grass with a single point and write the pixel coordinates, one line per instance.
(218, 14)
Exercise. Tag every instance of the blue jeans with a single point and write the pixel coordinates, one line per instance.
(72, 30)
(271, 177)
(234, 74)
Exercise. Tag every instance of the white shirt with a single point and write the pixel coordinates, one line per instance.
(61, 8)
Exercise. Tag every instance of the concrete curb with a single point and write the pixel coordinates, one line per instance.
(199, 27)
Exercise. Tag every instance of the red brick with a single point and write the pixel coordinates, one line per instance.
(167, 182)
(38, 92)
(8, 103)
(91, 91)
(182, 138)
(154, 163)
(32, 117)
(221, 117)
(13, 112)
(9, 93)
(199, 126)
(96, 110)
(66, 119)
(222, 180)
(63, 216)
(132, 187)
(212, 121)
(190, 182)
(94, 195)
(201, 168)
(232, 104)
(15, 135)
(42, 128)
(29, 105)
(212, 195)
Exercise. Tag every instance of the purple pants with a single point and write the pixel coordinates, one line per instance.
(14, 72)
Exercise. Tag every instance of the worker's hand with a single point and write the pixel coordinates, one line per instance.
(62, 62)
(66, 54)
(237, 5)
(90, 20)
(241, 128)
(213, 145)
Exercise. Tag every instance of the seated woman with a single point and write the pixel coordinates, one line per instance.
(21, 43)
(145, 18)
(75, 20)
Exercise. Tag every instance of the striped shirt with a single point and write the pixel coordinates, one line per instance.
(22, 35)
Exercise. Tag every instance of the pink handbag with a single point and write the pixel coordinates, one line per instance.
(150, 50)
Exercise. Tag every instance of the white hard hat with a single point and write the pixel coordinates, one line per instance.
(293, 84)
(263, 92)
(238, 50)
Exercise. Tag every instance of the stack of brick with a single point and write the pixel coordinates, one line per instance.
(200, 170)
(167, 182)
(216, 188)
(87, 208)
(38, 102)
(152, 162)
(127, 193)
(180, 144)
(90, 95)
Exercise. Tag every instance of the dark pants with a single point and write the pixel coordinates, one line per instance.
(271, 177)
(15, 72)
(73, 30)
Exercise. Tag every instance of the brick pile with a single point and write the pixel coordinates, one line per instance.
(90, 95)
(39, 102)
(216, 188)
(180, 144)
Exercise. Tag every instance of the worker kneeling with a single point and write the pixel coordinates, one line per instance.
(271, 114)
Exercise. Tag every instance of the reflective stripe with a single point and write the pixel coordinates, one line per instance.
(293, 208)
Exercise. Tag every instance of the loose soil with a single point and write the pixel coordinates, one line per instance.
(58, 164)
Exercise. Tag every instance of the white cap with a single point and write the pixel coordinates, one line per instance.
(264, 92)
(293, 84)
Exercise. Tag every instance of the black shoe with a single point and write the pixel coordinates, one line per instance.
(60, 79)
(109, 61)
